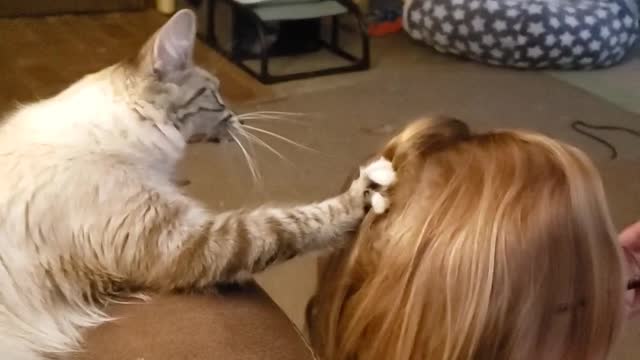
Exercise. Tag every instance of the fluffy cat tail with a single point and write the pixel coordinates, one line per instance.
(56, 331)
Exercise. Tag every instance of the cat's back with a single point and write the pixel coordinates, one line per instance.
(59, 152)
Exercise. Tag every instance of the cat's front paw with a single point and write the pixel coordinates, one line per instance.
(372, 184)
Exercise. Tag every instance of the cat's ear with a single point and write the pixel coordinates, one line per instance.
(171, 49)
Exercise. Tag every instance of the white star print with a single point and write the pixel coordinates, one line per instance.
(457, 2)
(553, 8)
(447, 28)
(571, 21)
(511, 3)
(565, 60)
(440, 48)
(534, 9)
(542, 65)
(474, 4)
(475, 47)
(586, 61)
(616, 24)
(440, 12)
(570, 9)
(488, 40)
(615, 8)
(463, 30)
(577, 50)
(554, 22)
(566, 39)
(497, 53)
(624, 37)
(500, 25)
(416, 16)
(521, 39)
(536, 28)
(416, 34)
(460, 45)
(554, 53)
(428, 22)
(534, 52)
(604, 32)
(513, 12)
(550, 40)
(603, 55)
(426, 6)
(628, 21)
(477, 23)
(458, 14)
(613, 41)
(601, 13)
(441, 39)
(508, 42)
(632, 39)
(585, 34)
(492, 6)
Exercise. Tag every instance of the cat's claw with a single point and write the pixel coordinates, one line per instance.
(381, 172)
(378, 176)
(379, 204)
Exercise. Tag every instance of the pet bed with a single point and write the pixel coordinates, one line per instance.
(578, 34)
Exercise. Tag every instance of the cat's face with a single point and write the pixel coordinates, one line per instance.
(189, 94)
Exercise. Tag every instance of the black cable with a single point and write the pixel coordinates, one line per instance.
(614, 153)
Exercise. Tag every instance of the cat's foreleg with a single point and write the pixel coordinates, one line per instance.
(269, 235)
(195, 249)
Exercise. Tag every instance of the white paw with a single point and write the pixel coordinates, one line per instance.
(379, 204)
(381, 172)
(379, 175)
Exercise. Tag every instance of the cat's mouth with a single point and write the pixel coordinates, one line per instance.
(204, 138)
(222, 133)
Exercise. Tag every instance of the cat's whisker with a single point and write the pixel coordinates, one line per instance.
(250, 162)
(279, 113)
(285, 139)
(261, 142)
(270, 117)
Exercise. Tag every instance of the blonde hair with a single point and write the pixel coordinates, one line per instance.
(495, 246)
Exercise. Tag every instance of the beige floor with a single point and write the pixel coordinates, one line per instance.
(349, 116)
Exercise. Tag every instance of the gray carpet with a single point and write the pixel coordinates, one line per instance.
(620, 85)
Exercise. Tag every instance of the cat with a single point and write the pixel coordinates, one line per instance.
(89, 212)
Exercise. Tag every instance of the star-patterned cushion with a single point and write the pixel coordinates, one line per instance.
(580, 34)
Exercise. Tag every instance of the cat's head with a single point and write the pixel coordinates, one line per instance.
(163, 75)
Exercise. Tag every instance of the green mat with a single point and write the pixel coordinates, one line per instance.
(619, 85)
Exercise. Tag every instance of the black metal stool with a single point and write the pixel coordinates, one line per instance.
(260, 13)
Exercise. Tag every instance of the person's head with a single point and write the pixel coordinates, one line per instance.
(496, 246)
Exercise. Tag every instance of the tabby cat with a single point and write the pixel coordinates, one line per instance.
(89, 211)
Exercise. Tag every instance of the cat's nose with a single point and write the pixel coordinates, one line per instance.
(241, 121)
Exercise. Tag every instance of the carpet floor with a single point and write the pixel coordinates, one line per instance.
(618, 85)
